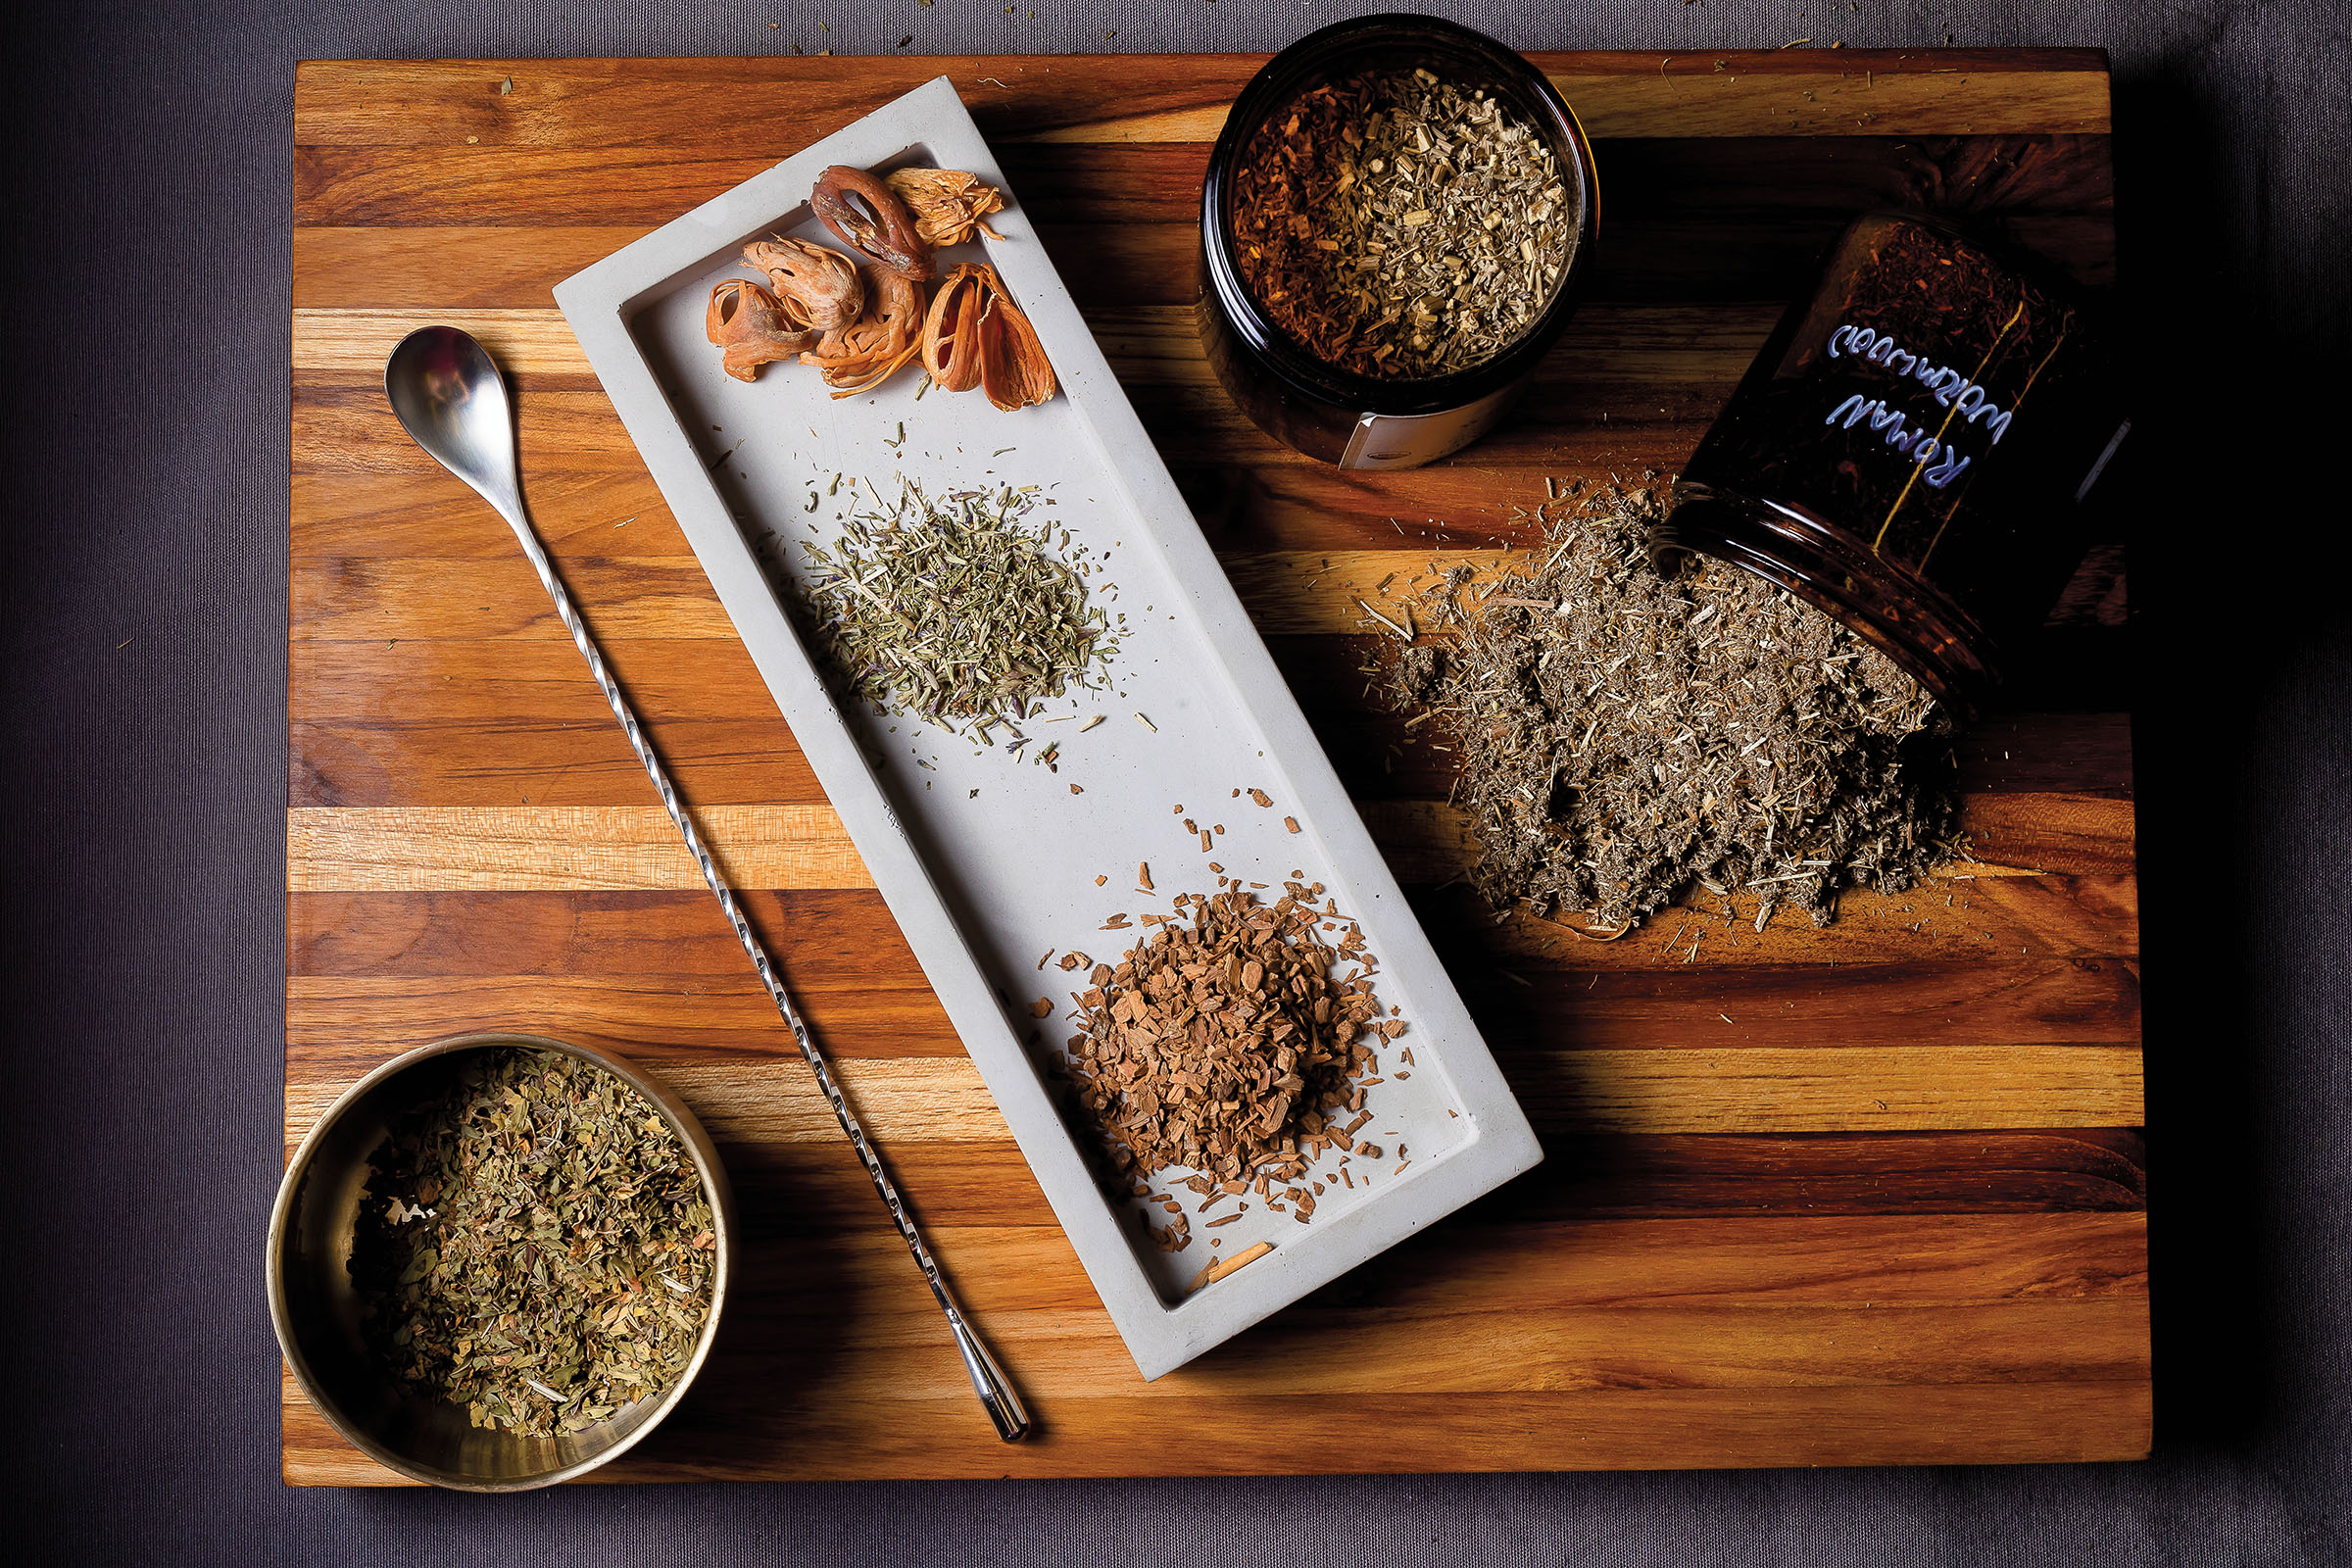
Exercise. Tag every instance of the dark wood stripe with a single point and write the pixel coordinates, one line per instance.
(803, 1190)
(513, 104)
(845, 938)
(703, 1015)
(1619, 1419)
(1683, 220)
(453, 737)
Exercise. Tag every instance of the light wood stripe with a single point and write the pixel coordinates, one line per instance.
(1755, 1090)
(421, 849)
(408, 849)
(1797, 1089)
(772, 1099)
(357, 340)
(1431, 842)
(1647, 346)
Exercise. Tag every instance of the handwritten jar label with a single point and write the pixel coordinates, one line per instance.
(1938, 454)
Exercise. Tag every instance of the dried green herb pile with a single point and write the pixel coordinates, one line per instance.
(534, 1246)
(1397, 225)
(1232, 1049)
(958, 611)
(1623, 737)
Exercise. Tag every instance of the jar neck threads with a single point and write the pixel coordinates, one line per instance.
(1913, 623)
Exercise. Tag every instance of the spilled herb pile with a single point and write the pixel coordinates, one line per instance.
(534, 1246)
(1231, 1048)
(1399, 227)
(1624, 737)
(960, 611)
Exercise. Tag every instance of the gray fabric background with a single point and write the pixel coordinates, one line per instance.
(145, 249)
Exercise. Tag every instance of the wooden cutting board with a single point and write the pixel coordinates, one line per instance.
(1867, 1194)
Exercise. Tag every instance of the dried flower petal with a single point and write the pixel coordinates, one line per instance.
(818, 288)
(746, 322)
(948, 204)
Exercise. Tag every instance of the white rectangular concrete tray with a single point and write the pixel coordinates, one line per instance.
(987, 859)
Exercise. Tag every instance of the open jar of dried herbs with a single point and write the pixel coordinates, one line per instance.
(498, 1261)
(1392, 227)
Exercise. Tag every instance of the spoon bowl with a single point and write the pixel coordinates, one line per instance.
(450, 397)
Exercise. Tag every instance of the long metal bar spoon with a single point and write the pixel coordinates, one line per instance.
(450, 397)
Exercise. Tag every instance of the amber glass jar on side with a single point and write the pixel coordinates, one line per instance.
(1363, 421)
(1914, 450)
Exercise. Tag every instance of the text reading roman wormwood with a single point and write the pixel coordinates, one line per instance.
(1951, 389)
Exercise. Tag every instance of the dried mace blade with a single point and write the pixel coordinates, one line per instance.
(948, 204)
(888, 235)
(746, 322)
(976, 336)
(888, 336)
(817, 288)
(1013, 371)
(952, 331)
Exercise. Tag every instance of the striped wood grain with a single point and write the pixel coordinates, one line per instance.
(1869, 1194)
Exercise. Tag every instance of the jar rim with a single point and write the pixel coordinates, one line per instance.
(1911, 621)
(1274, 86)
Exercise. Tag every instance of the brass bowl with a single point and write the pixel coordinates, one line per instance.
(315, 1309)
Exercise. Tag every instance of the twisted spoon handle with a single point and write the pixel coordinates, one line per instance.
(996, 1391)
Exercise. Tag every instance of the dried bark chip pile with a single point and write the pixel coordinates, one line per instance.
(1229, 1048)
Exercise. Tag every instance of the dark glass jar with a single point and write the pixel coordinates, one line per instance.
(1355, 420)
(1914, 451)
